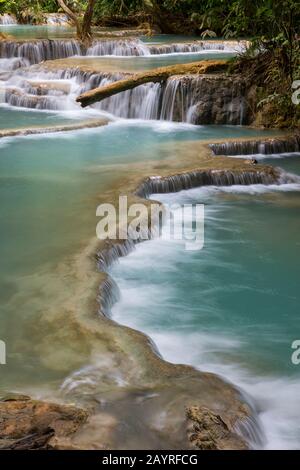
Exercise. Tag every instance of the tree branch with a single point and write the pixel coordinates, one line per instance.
(87, 20)
(157, 75)
(68, 11)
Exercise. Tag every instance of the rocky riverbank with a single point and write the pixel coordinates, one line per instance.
(27, 424)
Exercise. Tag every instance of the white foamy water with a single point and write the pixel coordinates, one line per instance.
(263, 156)
(7, 19)
(276, 398)
(150, 279)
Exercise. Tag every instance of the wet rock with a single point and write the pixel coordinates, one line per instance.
(210, 431)
(216, 99)
(34, 424)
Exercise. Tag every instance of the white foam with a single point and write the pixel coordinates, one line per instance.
(145, 299)
(263, 156)
(275, 397)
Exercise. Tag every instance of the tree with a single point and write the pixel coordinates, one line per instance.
(83, 25)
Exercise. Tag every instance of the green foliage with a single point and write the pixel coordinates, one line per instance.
(28, 10)
(33, 10)
(227, 18)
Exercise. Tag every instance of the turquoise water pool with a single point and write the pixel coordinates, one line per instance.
(56, 32)
(15, 118)
(21, 31)
(48, 169)
(151, 61)
(48, 201)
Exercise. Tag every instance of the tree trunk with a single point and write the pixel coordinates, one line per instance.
(83, 27)
(157, 75)
(73, 17)
(86, 30)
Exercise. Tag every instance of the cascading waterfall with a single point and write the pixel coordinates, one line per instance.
(56, 19)
(175, 183)
(47, 100)
(196, 100)
(197, 46)
(108, 295)
(109, 291)
(48, 49)
(8, 65)
(252, 147)
(7, 19)
(56, 90)
(138, 48)
(118, 48)
(38, 51)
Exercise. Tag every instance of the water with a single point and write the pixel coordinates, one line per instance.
(16, 118)
(231, 308)
(178, 100)
(6, 19)
(148, 62)
(49, 187)
(182, 99)
(24, 31)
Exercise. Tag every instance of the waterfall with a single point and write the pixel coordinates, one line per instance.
(53, 101)
(7, 19)
(171, 184)
(198, 46)
(252, 147)
(56, 19)
(108, 256)
(109, 291)
(37, 90)
(193, 99)
(38, 51)
(8, 65)
(251, 430)
(108, 295)
(118, 48)
(136, 47)
(197, 100)
(186, 99)
(47, 49)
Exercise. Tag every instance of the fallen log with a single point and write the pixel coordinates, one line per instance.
(153, 76)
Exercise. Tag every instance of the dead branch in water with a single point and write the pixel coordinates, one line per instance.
(153, 76)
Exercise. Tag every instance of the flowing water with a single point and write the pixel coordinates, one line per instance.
(183, 99)
(230, 308)
(49, 187)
